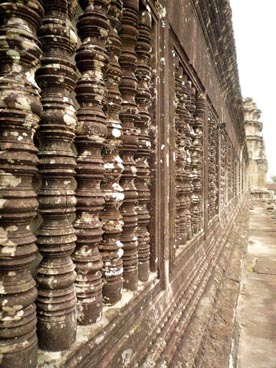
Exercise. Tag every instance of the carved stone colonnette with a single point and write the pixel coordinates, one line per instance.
(56, 302)
(20, 111)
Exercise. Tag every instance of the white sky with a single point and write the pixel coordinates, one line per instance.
(255, 35)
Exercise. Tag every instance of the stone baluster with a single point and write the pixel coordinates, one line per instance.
(181, 226)
(142, 182)
(111, 246)
(91, 59)
(56, 302)
(20, 111)
(198, 163)
(128, 116)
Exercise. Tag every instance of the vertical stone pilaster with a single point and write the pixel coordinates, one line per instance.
(20, 110)
(56, 302)
(143, 99)
(111, 246)
(128, 116)
(91, 59)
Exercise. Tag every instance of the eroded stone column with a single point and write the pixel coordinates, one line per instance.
(128, 115)
(111, 247)
(91, 59)
(56, 302)
(142, 182)
(20, 109)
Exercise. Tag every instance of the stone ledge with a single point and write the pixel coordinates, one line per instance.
(208, 338)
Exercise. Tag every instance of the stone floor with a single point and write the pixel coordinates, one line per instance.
(257, 300)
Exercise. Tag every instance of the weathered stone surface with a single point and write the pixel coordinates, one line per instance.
(256, 308)
(216, 346)
(265, 266)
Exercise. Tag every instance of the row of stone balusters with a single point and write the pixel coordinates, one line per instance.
(184, 134)
(95, 209)
(197, 160)
(223, 170)
(180, 158)
(230, 170)
(189, 117)
(238, 175)
(188, 176)
(195, 212)
(212, 166)
(235, 173)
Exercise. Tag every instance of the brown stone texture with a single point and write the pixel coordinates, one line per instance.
(122, 150)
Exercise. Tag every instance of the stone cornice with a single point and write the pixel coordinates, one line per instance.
(216, 22)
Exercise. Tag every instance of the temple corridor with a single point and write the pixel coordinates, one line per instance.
(257, 304)
(124, 173)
